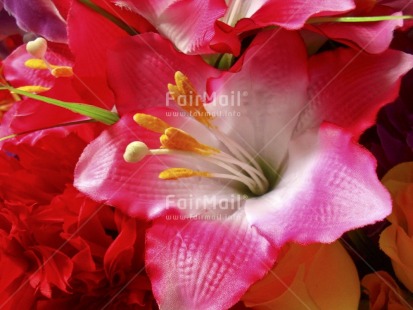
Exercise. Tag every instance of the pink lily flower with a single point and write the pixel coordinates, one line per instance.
(226, 191)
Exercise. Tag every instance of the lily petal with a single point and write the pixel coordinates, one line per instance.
(268, 107)
(372, 37)
(195, 264)
(294, 13)
(349, 87)
(89, 46)
(330, 186)
(131, 66)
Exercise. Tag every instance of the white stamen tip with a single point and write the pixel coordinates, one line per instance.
(135, 152)
(37, 48)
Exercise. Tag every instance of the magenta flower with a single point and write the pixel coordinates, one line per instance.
(227, 183)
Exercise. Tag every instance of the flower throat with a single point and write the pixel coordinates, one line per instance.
(238, 165)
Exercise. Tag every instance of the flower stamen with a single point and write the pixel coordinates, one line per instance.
(37, 49)
(150, 122)
(187, 98)
(178, 173)
(135, 152)
(177, 139)
(239, 164)
(35, 89)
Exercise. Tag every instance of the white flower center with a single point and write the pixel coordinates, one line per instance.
(237, 163)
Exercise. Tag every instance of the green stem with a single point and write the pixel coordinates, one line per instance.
(96, 113)
(357, 19)
(117, 21)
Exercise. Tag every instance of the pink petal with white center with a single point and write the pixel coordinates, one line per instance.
(294, 13)
(265, 96)
(330, 186)
(131, 66)
(188, 24)
(136, 189)
(371, 37)
(201, 264)
(348, 87)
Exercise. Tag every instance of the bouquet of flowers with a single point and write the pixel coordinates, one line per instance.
(214, 154)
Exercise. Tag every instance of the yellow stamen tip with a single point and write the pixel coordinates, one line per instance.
(177, 139)
(37, 48)
(135, 152)
(177, 173)
(179, 76)
(150, 122)
(186, 96)
(35, 63)
(62, 71)
(173, 90)
(33, 89)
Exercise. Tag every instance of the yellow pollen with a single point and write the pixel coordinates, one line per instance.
(62, 71)
(177, 173)
(33, 88)
(177, 139)
(37, 64)
(186, 96)
(150, 122)
(56, 71)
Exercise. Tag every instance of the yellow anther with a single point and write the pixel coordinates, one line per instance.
(38, 64)
(56, 71)
(176, 139)
(150, 122)
(33, 88)
(184, 85)
(177, 173)
(186, 96)
(135, 152)
(62, 71)
(37, 48)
